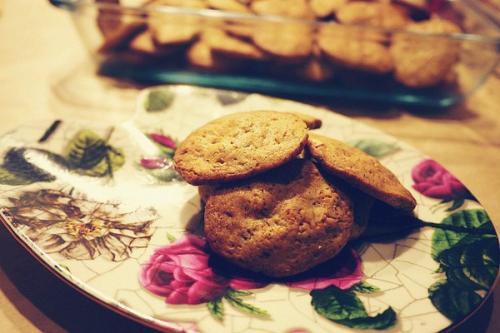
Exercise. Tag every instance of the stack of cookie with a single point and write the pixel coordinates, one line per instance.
(278, 198)
(293, 47)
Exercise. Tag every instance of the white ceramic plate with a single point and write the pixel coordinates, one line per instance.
(101, 206)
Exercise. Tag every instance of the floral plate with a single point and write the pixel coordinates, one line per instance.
(102, 207)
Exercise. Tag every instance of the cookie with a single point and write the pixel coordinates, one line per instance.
(239, 29)
(220, 42)
(311, 122)
(173, 29)
(228, 5)
(169, 30)
(204, 191)
(281, 223)
(422, 61)
(375, 14)
(240, 145)
(120, 37)
(360, 170)
(144, 45)
(288, 8)
(323, 8)
(200, 55)
(179, 3)
(354, 49)
(289, 42)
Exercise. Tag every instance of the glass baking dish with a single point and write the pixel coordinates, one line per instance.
(437, 58)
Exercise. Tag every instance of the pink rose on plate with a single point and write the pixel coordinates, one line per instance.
(344, 271)
(154, 163)
(164, 140)
(432, 180)
(180, 272)
(185, 272)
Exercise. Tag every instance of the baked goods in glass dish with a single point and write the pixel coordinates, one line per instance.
(433, 54)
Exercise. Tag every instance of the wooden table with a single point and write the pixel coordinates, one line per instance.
(38, 43)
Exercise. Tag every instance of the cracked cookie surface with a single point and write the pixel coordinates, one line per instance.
(280, 223)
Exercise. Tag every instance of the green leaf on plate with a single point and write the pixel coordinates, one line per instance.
(158, 100)
(165, 174)
(381, 321)
(170, 237)
(470, 218)
(234, 298)
(471, 264)
(17, 170)
(365, 288)
(457, 203)
(453, 302)
(216, 309)
(10, 178)
(166, 151)
(376, 148)
(240, 293)
(344, 307)
(91, 154)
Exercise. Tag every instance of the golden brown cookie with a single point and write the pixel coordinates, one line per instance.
(143, 44)
(240, 145)
(281, 223)
(375, 14)
(422, 61)
(169, 30)
(289, 42)
(179, 3)
(323, 8)
(354, 49)
(121, 36)
(220, 42)
(288, 8)
(360, 170)
(174, 29)
(200, 55)
(240, 29)
(311, 122)
(228, 5)
(204, 191)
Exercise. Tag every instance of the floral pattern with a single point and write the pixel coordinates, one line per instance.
(344, 272)
(161, 165)
(183, 272)
(434, 181)
(180, 272)
(78, 228)
(86, 153)
(118, 253)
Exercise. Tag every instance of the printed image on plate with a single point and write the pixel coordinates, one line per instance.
(103, 207)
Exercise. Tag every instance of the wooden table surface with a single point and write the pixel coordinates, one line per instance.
(39, 44)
